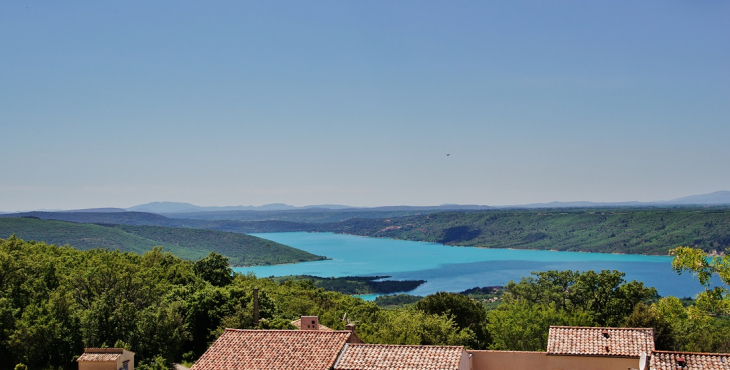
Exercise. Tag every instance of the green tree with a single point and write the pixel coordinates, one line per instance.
(410, 326)
(645, 316)
(716, 299)
(524, 326)
(157, 363)
(214, 269)
(606, 294)
(464, 311)
(692, 328)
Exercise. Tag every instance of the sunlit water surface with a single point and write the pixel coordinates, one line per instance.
(455, 269)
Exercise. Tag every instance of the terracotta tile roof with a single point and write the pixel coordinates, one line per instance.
(583, 341)
(663, 360)
(101, 354)
(273, 349)
(388, 356)
(298, 324)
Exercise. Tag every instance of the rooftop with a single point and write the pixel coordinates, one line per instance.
(101, 354)
(583, 341)
(664, 360)
(402, 357)
(274, 349)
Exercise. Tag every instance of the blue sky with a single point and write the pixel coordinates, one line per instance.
(358, 103)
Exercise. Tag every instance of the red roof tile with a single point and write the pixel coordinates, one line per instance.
(273, 349)
(583, 341)
(101, 357)
(101, 354)
(385, 357)
(663, 360)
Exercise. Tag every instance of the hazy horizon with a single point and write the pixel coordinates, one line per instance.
(347, 205)
(361, 103)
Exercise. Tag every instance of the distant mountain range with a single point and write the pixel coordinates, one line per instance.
(177, 207)
(716, 198)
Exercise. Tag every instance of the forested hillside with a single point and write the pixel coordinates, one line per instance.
(314, 215)
(150, 219)
(609, 230)
(626, 230)
(187, 243)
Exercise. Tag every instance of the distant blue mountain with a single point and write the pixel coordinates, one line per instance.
(97, 210)
(177, 207)
(579, 204)
(718, 197)
(165, 207)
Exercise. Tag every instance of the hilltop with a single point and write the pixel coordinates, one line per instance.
(604, 230)
(152, 219)
(187, 243)
(636, 230)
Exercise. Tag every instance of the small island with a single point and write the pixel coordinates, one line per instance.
(358, 284)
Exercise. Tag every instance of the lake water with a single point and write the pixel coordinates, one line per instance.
(456, 269)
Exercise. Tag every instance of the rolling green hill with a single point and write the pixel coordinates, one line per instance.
(648, 230)
(150, 219)
(616, 230)
(241, 249)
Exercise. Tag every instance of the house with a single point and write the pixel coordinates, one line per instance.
(106, 359)
(665, 360)
(275, 349)
(390, 356)
(572, 347)
(569, 348)
(313, 348)
(309, 323)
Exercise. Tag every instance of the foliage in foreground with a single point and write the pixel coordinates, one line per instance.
(715, 299)
(600, 299)
(54, 301)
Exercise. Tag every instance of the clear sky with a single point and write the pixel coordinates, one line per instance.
(117, 103)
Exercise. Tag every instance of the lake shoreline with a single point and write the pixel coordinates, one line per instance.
(484, 247)
(451, 269)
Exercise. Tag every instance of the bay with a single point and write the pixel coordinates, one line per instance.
(455, 269)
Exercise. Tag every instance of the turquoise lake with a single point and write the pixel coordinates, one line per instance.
(455, 269)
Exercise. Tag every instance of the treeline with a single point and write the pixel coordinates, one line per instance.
(616, 230)
(187, 243)
(299, 216)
